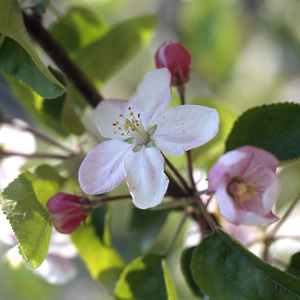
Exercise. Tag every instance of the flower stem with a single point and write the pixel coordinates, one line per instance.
(210, 221)
(181, 93)
(95, 202)
(178, 175)
(188, 211)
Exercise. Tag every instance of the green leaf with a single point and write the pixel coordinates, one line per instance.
(294, 266)
(12, 26)
(225, 270)
(103, 262)
(273, 127)
(24, 204)
(146, 224)
(171, 291)
(77, 29)
(185, 263)
(145, 278)
(39, 6)
(104, 57)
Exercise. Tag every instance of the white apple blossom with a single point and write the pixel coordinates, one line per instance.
(139, 130)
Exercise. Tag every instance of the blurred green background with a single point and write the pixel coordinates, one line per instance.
(245, 53)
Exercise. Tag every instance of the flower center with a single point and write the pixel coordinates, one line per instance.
(240, 190)
(131, 127)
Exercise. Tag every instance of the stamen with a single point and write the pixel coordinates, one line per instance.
(139, 115)
(129, 108)
(120, 115)
(114, 124)
(119, 128)
(114, 132)
(131, 113)
(117, 122)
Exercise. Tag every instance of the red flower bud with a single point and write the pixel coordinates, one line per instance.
(177, 59)
(68, 211)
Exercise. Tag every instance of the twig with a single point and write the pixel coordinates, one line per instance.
(36, 155)
(61, 59)
(187, 212)
(178, 175)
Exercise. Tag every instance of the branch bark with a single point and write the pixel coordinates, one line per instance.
(61, 59)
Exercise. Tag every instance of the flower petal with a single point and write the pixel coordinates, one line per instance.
(153, 95)
(252, 219)
(106, 113)
(145, 177)
(185, 127)
(103, 168)
(227, 206)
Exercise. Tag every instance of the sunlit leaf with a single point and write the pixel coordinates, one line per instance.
(225, 270)
(103, 262)
(273, 127)
(145, 278)
(24, 204)
(12, 26)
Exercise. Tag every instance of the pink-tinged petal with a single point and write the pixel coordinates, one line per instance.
(260, 157)
(185, 127)
(227, 206)
(226, 167)
(145, 177)
(106, 114)
(271, 193)
(152, 96)
(252, 219)
(103, 168)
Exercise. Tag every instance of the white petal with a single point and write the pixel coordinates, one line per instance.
(252, 219)
(145, 177)
(152, 96)
(106, 113)
(103, 168)
(185, 127)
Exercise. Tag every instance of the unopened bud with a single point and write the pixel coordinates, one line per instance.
(176, 59)
(68, 211)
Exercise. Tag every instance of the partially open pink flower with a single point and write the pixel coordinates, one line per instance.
(177, 59)
(246, 185)
(68, 211)
(139, 130)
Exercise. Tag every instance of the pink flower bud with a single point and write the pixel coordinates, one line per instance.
(246, 185)
(176, 59)
(68, 211)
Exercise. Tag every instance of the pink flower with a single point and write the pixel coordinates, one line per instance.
(177, 59)
(246, 185)
(68, 211)
(139, 130)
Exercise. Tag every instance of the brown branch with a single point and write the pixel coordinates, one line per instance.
(35, 155)
(61, 59)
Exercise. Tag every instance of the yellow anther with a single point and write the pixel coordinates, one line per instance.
(114, 132)
(126, 120)
(127, 132)
(131, 113)
(132, 129)
(120, 115)
(114, 124)
(122, 133)
(117, 122)
(119, 128)
(125, 126)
